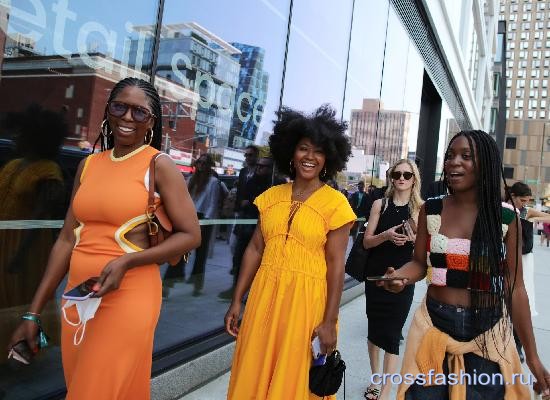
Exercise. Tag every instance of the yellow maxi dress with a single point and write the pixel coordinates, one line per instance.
(288, 296)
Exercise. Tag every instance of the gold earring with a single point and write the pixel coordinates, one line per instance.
(106, 133)
(151, 133)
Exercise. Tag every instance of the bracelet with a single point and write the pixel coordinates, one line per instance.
(32, 317)
(32, 313)
(42, 337)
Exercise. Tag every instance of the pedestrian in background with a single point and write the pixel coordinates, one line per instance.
(206, 191)
(361, 204)
(475, 283)
(294, 262)
(390, 236)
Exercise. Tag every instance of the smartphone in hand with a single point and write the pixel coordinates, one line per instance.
(385, 278)
(318, 358)
(21, 352)
(82, 291)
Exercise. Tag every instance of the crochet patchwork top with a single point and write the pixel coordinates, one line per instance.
(448, 258)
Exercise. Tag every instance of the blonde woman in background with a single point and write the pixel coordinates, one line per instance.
(390, 235)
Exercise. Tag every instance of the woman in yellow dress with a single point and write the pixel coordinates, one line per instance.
(294, 264)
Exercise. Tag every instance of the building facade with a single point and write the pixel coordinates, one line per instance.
(223, 69)
(380, 131)
(527, 75)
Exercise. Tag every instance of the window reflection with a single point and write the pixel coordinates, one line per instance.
(401, 94)
(363, 82)
(317, 54)
(64, 56)
(219, 73)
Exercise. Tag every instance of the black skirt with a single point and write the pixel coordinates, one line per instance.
(387, 313)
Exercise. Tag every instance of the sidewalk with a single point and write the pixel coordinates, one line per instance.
(353, 332)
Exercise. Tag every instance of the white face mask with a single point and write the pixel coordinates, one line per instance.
(86, 310)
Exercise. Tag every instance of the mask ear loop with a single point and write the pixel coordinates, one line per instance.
(81, 327)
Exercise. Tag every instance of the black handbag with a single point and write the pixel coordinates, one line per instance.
(325, 380)
(356, 264)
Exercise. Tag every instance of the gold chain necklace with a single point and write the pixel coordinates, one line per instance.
(303, 192)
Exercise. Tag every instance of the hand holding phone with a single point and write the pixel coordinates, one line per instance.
(21, 352)
(83, 291)
(318, 358)
(385, 278)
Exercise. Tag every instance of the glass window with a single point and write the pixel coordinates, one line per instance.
(509, 172)
(69, 55)
(401, 95)
(221, 64)
(363, 83)
(510, 142)
(317, 54)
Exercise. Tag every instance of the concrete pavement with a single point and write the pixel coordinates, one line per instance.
(353, 332)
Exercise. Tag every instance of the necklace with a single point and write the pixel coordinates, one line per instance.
(301, 193)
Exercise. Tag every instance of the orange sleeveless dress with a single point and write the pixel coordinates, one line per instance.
(288, 295)
(113, 361)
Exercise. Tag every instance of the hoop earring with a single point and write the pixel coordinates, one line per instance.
(291, 167)
(106, 133)
(151, 134)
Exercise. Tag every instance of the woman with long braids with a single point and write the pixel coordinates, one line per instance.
(108, 356)
(468, 248)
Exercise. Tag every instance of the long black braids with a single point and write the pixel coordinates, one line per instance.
(105, 137)
(490, 286)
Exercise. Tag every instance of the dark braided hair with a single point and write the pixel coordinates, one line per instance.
(487, 253)
(322, 128)
(154, 102)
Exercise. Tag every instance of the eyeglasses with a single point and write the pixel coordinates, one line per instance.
(139, 114)
(248, 154)
(397, 175)
(263, 165)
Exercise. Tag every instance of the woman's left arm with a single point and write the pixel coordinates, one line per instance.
(521, 314)
(186, 231)
(537, 216)
(335, 251)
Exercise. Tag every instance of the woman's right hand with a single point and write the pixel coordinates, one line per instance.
(232, 319)
(396, 238)
(395, 285)
(28, 331)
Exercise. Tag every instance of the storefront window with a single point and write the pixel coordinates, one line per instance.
(219, 74)
(317, 54)
(58, 62)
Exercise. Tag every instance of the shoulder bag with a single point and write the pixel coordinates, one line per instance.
(356, 264)
(158, 223)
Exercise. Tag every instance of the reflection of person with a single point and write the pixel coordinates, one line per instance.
(475, 284)
(31, 188)
(295, 260)
(246, 173)
(259, 183)
(391, 246)
(105, 235)
(205, 189)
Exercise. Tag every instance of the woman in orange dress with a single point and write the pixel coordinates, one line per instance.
(296, 262)
(105, 236)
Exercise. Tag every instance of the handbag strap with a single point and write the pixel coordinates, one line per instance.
(151, 195)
